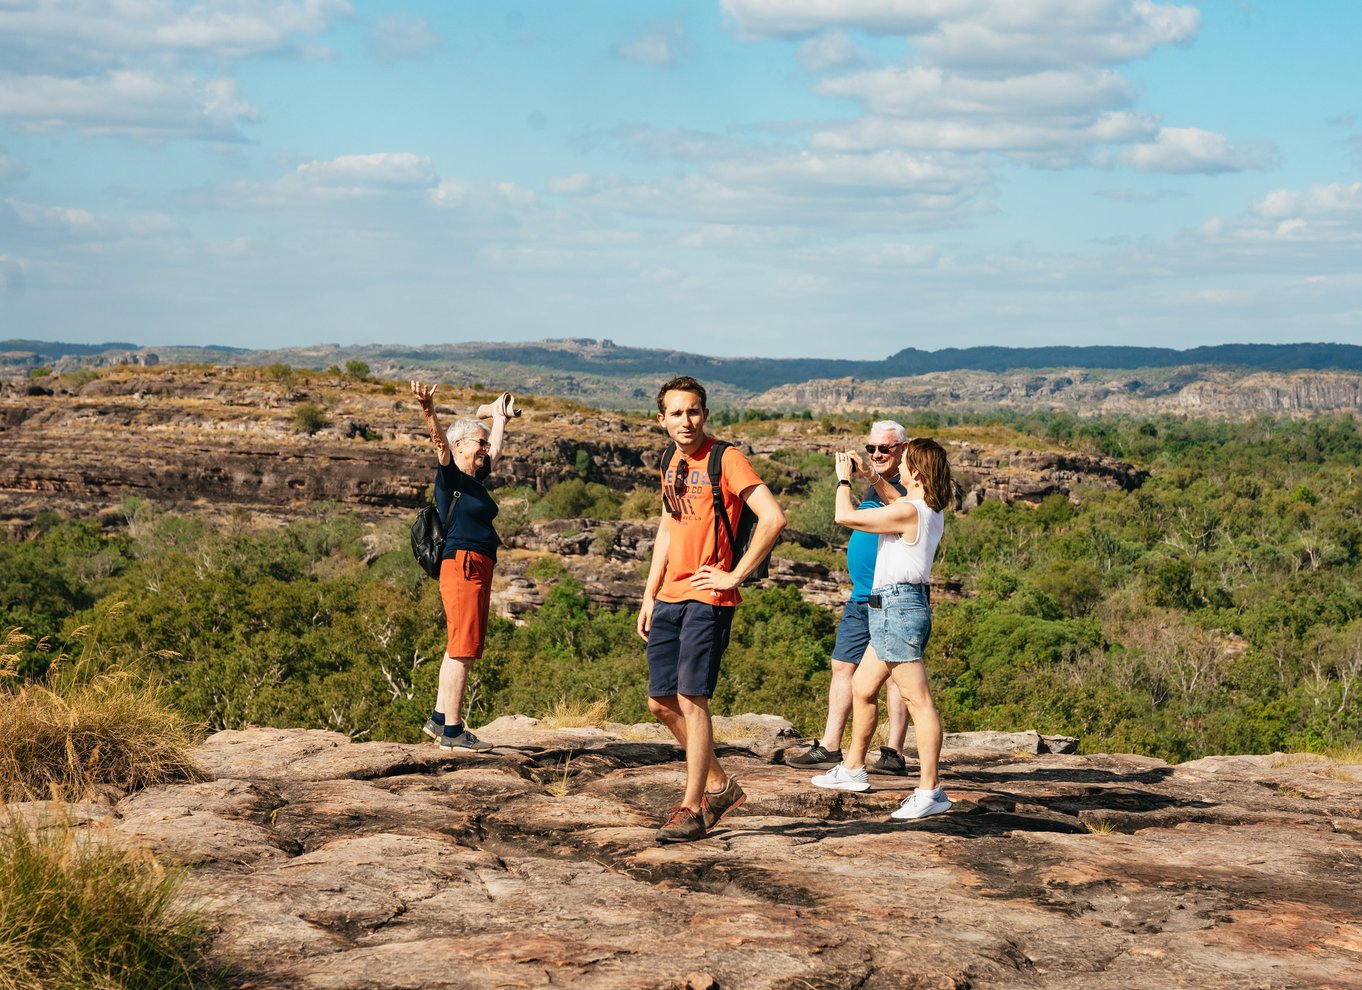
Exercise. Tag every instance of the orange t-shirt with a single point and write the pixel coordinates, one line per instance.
(692, 533)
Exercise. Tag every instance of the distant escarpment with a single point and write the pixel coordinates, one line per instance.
(1195, 391)
(221, 438)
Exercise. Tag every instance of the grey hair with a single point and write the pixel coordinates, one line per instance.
(889, 426)
(464, 428)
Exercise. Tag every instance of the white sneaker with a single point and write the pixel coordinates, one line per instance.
(920, 804)
(839, 778)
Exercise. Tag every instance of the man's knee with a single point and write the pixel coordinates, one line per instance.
(843, 672)
(659, 706)
(692, 704)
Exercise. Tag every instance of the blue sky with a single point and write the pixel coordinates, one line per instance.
(733, 177)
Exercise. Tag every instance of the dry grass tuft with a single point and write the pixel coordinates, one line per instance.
(1099, 826)
(88, 727)
(80, 913)
(576, 715)
(560, 786)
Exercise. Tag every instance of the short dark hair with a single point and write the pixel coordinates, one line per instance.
(682, 383)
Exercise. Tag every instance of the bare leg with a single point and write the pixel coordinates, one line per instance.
(912, 681)
(870, 676)
(453, 680)
(839, 703)
(898, 718)
(687, 718)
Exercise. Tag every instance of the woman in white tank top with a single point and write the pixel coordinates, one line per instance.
(900, 619)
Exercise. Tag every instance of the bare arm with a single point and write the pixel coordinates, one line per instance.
(656, 572)
(770, 521)
(425, 396)
(500, 413)
(898, 516)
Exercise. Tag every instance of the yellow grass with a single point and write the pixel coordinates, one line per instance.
(567, 714)
(1099, 826)
(90, 726)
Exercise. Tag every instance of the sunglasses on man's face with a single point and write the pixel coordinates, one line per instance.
(883, 448)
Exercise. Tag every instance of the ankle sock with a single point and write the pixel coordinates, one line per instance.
(438, 718)
(453, 730)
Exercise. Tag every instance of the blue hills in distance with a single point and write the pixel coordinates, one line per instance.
(605, 358)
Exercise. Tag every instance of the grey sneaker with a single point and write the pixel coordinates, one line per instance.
(890, 762)
(719, 803)
(464, 740)
(433, 730)
(683, 825)
(920, 804)
(816, 756)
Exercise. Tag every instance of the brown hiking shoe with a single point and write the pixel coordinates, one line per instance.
(683, 825)
(716, 804)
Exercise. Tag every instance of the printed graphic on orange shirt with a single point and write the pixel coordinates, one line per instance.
(684, 489)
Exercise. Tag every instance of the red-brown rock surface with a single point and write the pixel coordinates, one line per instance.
(328, 864)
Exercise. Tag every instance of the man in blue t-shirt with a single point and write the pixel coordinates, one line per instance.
(884, 449)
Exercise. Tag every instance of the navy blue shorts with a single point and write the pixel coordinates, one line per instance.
(853, 633)
(685, 644)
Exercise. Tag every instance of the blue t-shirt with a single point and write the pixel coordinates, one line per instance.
(862, 548)
(470, 527)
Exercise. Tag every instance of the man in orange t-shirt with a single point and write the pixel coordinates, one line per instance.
(690, 595)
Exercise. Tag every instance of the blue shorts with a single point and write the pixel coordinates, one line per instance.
(853, 633)
(685, 644)
(900, 627)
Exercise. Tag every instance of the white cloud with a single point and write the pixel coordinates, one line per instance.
(925, 91)
(779, 18)
(1184, 150)
(402, 36)
(873, 133)
(378, 172)
(454, 194)
(138, 103)
(661, 43)
(832, 50)
(138, 68)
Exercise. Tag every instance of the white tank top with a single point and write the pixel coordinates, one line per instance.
(901, 562)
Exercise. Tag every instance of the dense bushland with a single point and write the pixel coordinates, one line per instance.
(1216, 609)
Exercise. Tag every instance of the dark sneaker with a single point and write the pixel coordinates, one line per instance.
(464, 740)
(683, 825)
(815, 756)
(719, 803)
(890, 762)
(433, 730)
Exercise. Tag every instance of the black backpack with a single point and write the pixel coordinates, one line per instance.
(740, 539)
(428, 533)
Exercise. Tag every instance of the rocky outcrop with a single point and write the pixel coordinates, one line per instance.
(329, 864)
(1197, 389)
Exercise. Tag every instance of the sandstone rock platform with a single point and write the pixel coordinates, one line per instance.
(331, 865)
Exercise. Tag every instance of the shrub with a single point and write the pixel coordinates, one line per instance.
(77, 914)
(39, 372)
(357, 370)
(309, 418)
(82, 729)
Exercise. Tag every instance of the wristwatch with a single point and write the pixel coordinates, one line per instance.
(844, 481)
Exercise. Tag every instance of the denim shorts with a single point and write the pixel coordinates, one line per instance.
(899, 628)
(853, 633)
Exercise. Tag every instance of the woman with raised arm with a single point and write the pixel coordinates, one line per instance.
(466, 454)
(900, 619)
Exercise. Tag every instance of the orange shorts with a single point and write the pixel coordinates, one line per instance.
(466, 590)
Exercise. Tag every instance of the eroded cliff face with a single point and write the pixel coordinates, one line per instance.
(219, 438)
(1201, 391)
(331, 865)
